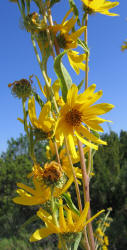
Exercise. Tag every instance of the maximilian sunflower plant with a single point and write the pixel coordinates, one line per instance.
(69, 123)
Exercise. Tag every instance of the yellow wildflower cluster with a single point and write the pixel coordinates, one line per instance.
(68, 123)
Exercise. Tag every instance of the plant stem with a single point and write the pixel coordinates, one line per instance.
(48, 35)
(45, 76)
(85, 179)
(51, 23)
(57, 153)
(25, 117)
(87, 55)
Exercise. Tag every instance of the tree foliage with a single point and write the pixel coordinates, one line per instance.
(108, 189)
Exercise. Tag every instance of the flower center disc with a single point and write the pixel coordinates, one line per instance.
(73, 117)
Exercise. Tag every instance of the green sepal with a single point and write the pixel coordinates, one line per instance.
(70, 203)
(63, 75)
(52, 2)
(75, 10)
(77, 241)
(38, 99)
(82, 44)
(80, 84)
(31, 145)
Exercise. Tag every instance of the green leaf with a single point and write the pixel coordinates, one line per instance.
(75, 10)
(70, 203)
(80, 84)
(63, 75)
(77, 240)
(53, 2)
(82, 44)
(38, 99)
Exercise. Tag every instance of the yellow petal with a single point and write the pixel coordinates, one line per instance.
(40, 234)
(67, 14)
(45, 111)
(72, 95)
(77, 33)
(85, 132)
(82, 218)
(89, 144)
(71, 144)
(32, 111)
(100, 109)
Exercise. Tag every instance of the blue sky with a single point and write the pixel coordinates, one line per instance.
(108, 65)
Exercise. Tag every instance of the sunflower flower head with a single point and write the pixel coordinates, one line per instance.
(64, 38)
(52, 172)
(68, 226)
(21, 88)
(79, 115)
(99, 6)
(51, 176)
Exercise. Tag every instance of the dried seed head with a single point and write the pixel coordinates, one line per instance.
(52, 172)
(21, 88)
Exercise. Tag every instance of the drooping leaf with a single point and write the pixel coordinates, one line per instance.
(63, 75)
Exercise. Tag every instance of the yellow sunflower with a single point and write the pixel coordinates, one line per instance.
(64, 39)
(44, 122)
(100, 6)
(42, 192)
(73, 223)
(78, 115)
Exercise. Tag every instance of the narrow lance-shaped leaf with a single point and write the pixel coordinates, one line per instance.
(63, 75)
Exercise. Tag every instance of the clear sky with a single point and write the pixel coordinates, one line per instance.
(108, 65)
